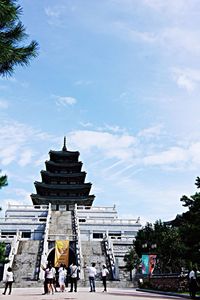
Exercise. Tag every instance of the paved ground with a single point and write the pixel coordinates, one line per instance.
(83, 294)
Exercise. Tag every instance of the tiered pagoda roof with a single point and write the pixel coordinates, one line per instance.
(63, 182)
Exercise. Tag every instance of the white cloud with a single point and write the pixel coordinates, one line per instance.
(170, 156)
(113, 145)
(65, 101)
(186, 78)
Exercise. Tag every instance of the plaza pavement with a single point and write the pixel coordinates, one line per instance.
(83, 294)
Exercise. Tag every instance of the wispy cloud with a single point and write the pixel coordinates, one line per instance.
(86, 124)
(25, 157)
(65, 100)
(129, 32)
(170, 156)
(55, 11)
(83, 82)
(17, 140)
(127, 152)
(57, 14)
(180, 39)
(151, 132)
(170, 6)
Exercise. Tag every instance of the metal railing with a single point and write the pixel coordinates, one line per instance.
(96, 208)
(110, 221)
(27, 207)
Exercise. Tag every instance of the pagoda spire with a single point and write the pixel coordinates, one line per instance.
(64, 145)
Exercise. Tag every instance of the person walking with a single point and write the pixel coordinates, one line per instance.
(73, 277)
(45, 280)
(50, 276)
(9, 281)
(104, 274)
(92, 273)
(193, 283)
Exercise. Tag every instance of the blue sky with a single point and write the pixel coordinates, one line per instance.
(121, 80)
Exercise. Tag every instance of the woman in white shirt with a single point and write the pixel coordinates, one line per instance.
(50, 276)
(104, 274)
(9, 281)
(62, 276)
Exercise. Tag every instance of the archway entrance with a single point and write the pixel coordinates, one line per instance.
(72, 258)
(72, 255)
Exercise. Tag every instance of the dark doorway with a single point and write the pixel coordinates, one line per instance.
(72, 258)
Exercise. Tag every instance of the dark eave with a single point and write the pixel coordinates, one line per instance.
(64, 153)
(84, 186)
(46, 198)
(63, 164)
(63, 175)
(37, 199)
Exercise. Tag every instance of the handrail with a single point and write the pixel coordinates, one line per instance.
(45, 244)
(110, 254)
(78, 244)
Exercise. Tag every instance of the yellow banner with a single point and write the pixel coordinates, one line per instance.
(61, 253)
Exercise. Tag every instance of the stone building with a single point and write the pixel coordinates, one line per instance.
(63, 210)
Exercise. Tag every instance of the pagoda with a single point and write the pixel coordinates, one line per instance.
(63, 182)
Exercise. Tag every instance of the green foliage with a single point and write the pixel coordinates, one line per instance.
(132, 259)
(3, 259)
(178, 241)
(12, 33)
(189, 229)
(164, 241)
(3, 181)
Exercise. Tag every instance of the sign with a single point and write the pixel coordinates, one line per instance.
(152, 263)
(61, 253)
(148, 263)
(145, 264)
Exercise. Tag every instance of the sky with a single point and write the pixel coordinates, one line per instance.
(121, 80)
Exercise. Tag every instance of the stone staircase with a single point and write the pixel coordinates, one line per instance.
(92, 252)
(25, 264)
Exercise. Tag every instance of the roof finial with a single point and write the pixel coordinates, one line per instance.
(64, 146)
